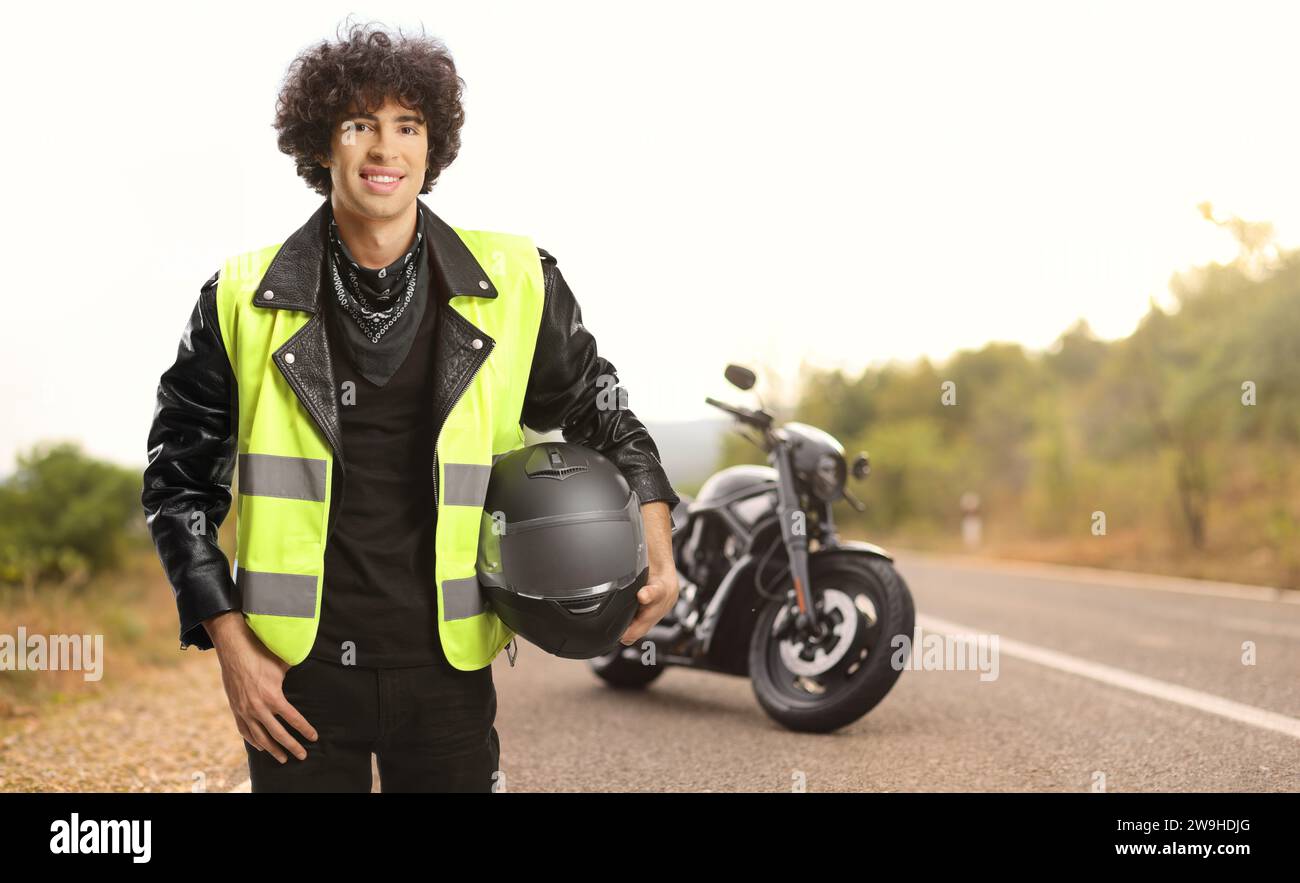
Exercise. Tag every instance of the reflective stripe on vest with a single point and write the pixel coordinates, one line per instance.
(284, 473)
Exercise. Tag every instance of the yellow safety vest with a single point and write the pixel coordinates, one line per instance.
(284, 470)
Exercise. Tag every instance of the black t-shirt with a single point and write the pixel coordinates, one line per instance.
(379, 587)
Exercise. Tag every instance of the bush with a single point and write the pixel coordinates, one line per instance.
(65, 516)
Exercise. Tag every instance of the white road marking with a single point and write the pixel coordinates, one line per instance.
(1111, 578)
(1127, 680)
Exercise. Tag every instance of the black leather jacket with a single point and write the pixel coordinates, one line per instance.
(193, 439)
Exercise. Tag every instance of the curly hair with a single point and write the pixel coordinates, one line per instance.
(365, 67)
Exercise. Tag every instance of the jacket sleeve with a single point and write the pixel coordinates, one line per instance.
(192, 449)
(573, 389)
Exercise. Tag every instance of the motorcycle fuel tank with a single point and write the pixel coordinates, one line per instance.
(746, 485)
(732, 480)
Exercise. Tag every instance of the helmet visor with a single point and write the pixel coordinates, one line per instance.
(564, 556)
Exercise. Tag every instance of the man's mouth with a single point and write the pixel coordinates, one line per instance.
(381, 180)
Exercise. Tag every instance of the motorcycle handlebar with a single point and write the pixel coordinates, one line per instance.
(757, 419)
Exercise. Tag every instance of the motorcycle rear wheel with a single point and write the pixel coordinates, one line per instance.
(859, 673)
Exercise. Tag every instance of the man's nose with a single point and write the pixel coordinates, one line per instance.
(379, 147)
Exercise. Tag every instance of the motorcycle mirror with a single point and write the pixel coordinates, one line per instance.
(861, 466)
(740, 377)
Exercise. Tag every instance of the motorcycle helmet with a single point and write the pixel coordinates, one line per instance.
(562, 549)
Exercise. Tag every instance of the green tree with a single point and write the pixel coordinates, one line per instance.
(64, 515)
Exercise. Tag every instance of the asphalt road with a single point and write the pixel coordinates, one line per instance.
(1136, 679)
(1125, 683)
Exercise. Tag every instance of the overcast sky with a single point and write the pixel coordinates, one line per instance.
(765, 183)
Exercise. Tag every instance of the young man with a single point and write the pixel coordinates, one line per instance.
(327, 367)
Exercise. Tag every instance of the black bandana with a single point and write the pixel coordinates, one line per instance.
(382, 306)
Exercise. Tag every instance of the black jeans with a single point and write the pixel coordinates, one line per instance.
(429, 726)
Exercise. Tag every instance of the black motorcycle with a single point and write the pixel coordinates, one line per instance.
(769, 591)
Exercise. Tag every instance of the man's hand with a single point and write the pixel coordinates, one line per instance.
(659, 594)
(253, 677)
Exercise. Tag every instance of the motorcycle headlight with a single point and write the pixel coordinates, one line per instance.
(829, 477)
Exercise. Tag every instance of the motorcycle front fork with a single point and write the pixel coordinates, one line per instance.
(794, 532)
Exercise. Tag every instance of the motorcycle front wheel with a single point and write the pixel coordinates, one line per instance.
(817, 685)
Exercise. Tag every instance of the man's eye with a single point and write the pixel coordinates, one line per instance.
(413, 130)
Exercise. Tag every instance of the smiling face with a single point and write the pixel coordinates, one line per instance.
(377, 161)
